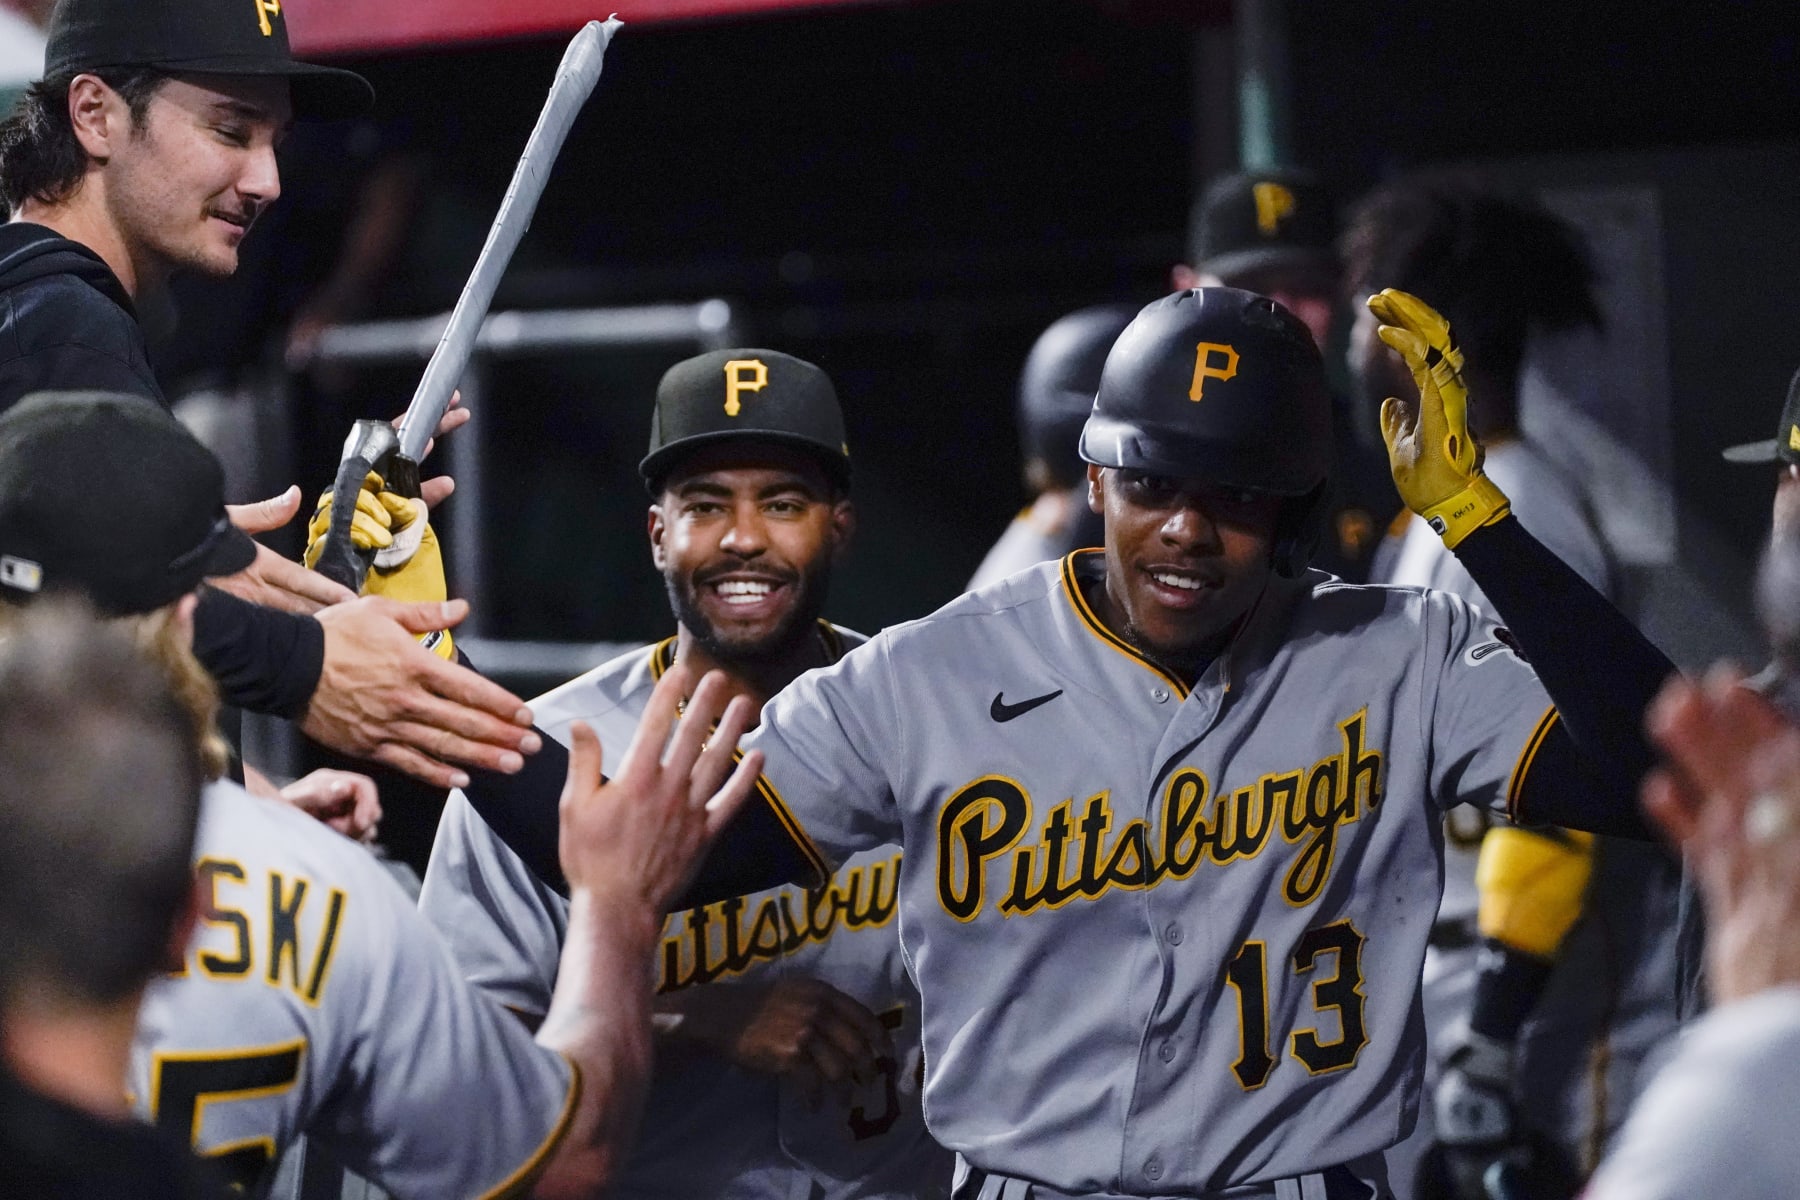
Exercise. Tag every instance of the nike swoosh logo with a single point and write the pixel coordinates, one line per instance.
(1003, 712)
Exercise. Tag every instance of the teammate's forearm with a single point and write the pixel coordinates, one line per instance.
(1600, 671)
(600, 1019)
(521, 808)
(265, 661)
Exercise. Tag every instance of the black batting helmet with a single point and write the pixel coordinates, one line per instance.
(1225, 386)
(1057, 386)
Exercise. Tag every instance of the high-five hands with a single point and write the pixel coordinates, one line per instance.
(640, 836)
(1436, 461)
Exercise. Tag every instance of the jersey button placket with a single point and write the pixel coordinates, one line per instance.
(1153, 1169)
(1166, 1052)
(1172, 933)
(1160, 694)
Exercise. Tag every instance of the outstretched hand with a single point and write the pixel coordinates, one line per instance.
(384, 697)
(643, 832)
(1730, 796)
(1435, 460)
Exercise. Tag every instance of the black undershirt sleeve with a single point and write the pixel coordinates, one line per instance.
(1599, 670)
(265, 661)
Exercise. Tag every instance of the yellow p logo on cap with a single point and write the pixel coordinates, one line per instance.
(1273, 204)
(743, 375)
(264, 10)
(1205, 367)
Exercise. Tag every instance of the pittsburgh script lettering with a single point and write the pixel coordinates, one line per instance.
(1082, 849)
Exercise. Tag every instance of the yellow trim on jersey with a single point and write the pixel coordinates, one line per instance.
(796, 833)
(159, 1059)
(1532, 744)
(520, 1181)
(1072, 586)
(662, 657)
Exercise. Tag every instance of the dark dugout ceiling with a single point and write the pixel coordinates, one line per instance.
(355, 27)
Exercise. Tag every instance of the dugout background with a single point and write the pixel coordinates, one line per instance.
(907, 193)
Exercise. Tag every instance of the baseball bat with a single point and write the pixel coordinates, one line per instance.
(375, 445)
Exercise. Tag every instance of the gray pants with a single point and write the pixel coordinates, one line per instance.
(1365, 1179)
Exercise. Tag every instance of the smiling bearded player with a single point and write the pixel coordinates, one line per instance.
(787, 1063)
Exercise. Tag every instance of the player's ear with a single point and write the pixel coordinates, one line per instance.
(181, 929)
(843, 526)
(98, 115)
(658, 527)
(1096, 490)
(1182, 277)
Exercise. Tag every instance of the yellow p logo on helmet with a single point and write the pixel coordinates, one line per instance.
(1205, 366)
(743, 375)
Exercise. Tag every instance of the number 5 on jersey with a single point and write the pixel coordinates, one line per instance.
(1248, 973)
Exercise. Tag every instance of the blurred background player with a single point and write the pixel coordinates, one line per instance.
(1718, 1119)
(1780, 680)
(1501, 270)
(312, 997)
(788, 1061)
(1274, 232)
(95, 898)
(1056, 393)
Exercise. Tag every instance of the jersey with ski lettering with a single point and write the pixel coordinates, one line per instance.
(712, 1128)
(1151, 924)
(313, 999)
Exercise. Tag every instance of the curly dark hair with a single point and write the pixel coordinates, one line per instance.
(40, 159)
(1497, 266)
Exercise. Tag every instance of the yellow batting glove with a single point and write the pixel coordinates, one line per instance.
(1436, 461)
(369, 528)
(412, 567)
(408, 565)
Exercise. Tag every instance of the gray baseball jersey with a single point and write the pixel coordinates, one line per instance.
(1153, 926)
(711, 1128)
(1718, 1121)
(314, 999)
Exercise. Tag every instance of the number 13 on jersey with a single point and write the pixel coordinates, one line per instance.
(1339, 993)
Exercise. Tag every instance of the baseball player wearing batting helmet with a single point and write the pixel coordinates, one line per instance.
(1056, 392)
(788, 1060)
(1170, 807)
(312, 997)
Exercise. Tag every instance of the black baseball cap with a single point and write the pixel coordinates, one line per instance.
(108, 495)
(1785, 445)
(198, 37)
(749, 395)
(1256, 220)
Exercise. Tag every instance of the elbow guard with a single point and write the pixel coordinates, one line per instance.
(1531, 886)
